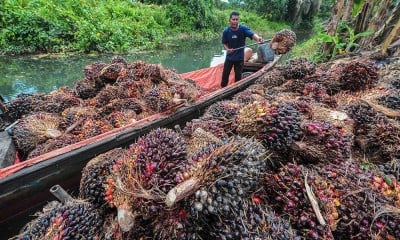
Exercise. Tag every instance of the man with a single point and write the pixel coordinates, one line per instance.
(234, 41)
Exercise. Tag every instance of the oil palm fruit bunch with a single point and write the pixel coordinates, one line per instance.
(395, 83)
(273, 78)
(35, 129)
(279, 126)
(53, 144)
(122, 117)
(112, 230)
(147, 72)
(325, 142)
(283, 41)
(106, 95)
(124, 104)
(86, 88)
(225, 174)
(375, 134)
(248, 96)
(222, 110)
(391, 100)
(298, 68)
(294, 85)
(94, 177)
(200, 139)
(110, 73)
(285, 190)
(303, 104)
(58, 101)
(158, 99)
(119, 59)
(256, 220)
(76, 115)
(177, 224)
(92, 127)
(358, 203)
(358, 75)
(184, 89)
(247, 119)
(314, 90)
(92, 71)
(362, 113)
(23, 104)
(391, 168)
(152, 166)
(75, 220)
(215, 127)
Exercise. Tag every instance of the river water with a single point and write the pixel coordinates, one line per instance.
(43, 74)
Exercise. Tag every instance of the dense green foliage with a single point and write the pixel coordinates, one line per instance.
(104, 25)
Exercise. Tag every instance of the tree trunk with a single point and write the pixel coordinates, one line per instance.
(332, 25)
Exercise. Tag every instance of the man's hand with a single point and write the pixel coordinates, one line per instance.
(230, 50)
(260, 40)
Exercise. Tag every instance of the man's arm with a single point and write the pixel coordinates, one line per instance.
(257, 38)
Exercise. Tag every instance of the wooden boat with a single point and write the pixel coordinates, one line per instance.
(24, 187)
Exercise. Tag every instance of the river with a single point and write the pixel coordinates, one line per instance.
(43, 74)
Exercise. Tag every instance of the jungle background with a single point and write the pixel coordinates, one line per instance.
(85, 26)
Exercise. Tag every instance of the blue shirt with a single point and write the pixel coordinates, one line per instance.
(236, 39)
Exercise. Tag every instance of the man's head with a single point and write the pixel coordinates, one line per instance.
(234, 20)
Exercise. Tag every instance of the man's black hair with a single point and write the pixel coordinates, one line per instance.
(234, 13)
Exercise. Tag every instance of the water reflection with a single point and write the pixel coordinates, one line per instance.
(45, 74)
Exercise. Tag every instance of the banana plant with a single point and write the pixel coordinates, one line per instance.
(338, 45)
(351, 40)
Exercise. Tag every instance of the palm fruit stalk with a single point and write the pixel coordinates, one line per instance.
(74, 220)
(94, 177)
(35, 129)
